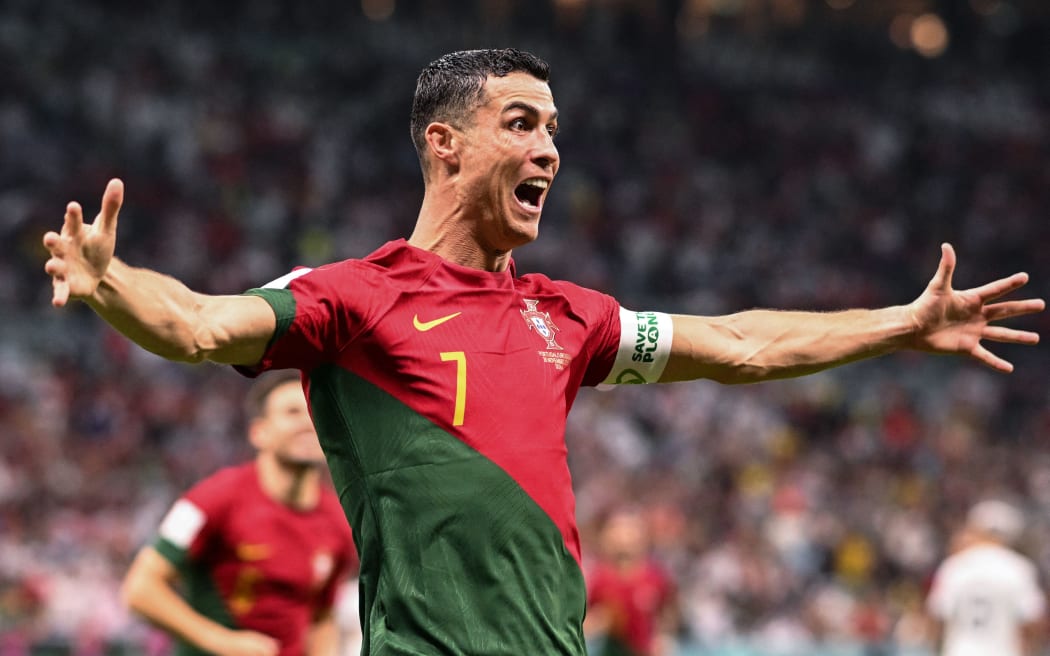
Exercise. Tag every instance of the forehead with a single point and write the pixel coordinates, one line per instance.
(285, 394)
(518, 88)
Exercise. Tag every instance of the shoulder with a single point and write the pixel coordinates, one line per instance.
(580, 299)
(540, 282)
(390, 257)
(224, 485)
(333, 274)
(986, 558)
(331, 508)
(329, 503)
(658, 573)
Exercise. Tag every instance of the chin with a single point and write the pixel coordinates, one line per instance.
(523, 233)
(301, 461)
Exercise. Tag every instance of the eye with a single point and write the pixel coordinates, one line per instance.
(519, 124)
(552, 130)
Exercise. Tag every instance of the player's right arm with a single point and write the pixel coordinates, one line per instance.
(155, 311)
(149, 590)
(1033, 637)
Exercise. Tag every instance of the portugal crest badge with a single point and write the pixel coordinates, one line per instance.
(541, 323)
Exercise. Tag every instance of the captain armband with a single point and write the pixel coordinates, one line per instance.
(645, 346)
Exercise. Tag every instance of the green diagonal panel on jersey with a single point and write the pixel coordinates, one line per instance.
(456, 558)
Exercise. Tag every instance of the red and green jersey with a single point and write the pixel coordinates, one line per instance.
(250, 562)
(634, 601)
(440, 395)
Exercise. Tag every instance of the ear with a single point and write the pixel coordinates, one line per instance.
(443, 142)
(257, 433)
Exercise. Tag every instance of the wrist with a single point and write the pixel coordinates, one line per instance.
(109, 282)
(908, 324)
(213, 638)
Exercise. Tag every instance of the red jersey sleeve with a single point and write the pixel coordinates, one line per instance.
(601, 314)
(194, 519)
(319, 311)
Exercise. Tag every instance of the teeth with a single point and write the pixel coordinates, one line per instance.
(537, 182)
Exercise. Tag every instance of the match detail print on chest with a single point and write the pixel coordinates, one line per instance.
(540, 323)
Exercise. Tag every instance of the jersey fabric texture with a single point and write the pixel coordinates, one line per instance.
(250, 562)
(634, 601)
(983, 595)
(440, 395)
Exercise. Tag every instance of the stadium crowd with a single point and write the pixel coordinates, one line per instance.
(710, 163)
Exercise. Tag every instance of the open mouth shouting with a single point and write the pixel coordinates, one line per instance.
(531, 192)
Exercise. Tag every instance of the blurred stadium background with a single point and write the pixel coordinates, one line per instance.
(717, 155)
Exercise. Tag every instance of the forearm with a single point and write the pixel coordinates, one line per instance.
(1031, 635)
(162, 315)
(759, 345)
(147, 593)
(166, 609)
(153, 310)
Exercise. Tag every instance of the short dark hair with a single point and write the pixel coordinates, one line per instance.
(451, 87)
(259, 392)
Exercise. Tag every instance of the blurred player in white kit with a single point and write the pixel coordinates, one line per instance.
(986, 598)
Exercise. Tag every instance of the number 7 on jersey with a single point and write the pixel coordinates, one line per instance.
(460, 358)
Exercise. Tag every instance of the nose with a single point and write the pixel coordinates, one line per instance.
(546, 154)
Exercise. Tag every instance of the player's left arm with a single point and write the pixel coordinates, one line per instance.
(758, 345)
(1033, 628)
(324, 635)
(668, 622)
(1033, 637)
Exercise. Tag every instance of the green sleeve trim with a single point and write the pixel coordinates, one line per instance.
(282, 301)
(174, 555)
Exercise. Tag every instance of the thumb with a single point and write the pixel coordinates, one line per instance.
(942, 280)
(112, 199)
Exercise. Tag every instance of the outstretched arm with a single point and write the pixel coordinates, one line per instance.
(148, 589)
(761, 345)
(155, 311)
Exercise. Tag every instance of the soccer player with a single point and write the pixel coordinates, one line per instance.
(632, 605)
(440, 381)
(985, 597)
(260, 548)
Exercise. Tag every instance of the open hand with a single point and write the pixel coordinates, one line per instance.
(956, 321)
(81, 254)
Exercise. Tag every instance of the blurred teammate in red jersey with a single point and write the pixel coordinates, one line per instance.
(632, 601)
(260, 548)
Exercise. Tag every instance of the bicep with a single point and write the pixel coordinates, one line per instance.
(235, 329)
(148, 572)
(151, 564)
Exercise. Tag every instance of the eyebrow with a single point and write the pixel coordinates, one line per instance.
(528, 109)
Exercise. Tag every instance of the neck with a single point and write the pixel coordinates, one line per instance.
(448, 229)
(297, 486)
